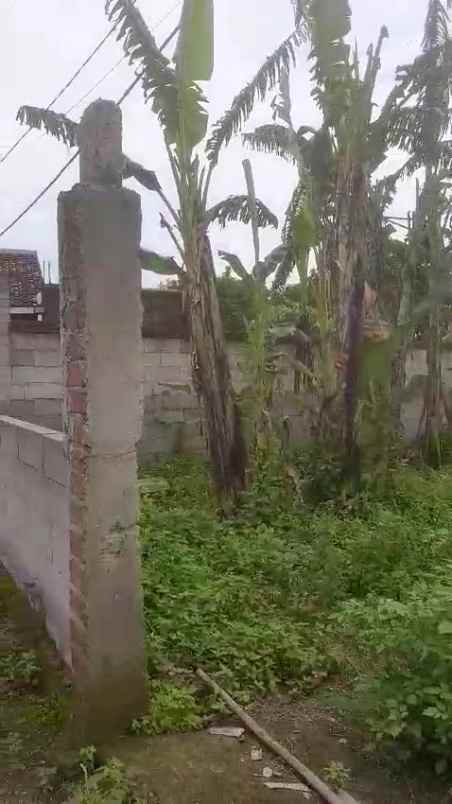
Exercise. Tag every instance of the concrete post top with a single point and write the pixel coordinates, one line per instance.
(100, 143)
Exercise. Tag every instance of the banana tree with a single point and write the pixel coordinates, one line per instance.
(172, 87)
(420, 123)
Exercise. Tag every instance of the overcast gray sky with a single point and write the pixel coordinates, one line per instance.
(42, 44)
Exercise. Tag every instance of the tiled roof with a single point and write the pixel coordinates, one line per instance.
(25, 278)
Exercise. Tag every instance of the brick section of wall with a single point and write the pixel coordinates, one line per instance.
(34, 519)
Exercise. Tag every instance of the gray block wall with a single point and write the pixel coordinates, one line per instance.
(34, 520)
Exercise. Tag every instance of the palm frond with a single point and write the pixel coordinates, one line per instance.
(57, 125)
(284, 270)
(159, 79)
(272, 139)
(236, 208)
(262, 270)
(163, 266)
(281, 103)
(301, 11)
(299, 234)
(386, 188)
(299, 230)
(265, 80)
(329, 23)
(445, 156)
(436, 29)
(235, 264)
(147, 178)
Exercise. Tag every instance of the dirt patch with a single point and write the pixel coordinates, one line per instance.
(202, 769)
(317, 736)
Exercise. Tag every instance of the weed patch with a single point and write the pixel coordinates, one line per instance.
(359, 589)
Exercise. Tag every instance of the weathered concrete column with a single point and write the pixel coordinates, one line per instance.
(5, 362)
(99, 233)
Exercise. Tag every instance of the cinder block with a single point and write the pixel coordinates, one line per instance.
(162, 345)
(175, 359)
(8, 439)
(22, 357)
(5, 375)
(39, 390)
(4, 354)
(23, 340)
(17, 392)
(48, 407)
(22, 409)
(47, 358)
(38, 374)
(179, 401)
(46, 342)
(30, 450)
(56, 465)
(186, 348)
(151, 359)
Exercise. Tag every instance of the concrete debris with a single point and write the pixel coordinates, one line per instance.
(227, 731)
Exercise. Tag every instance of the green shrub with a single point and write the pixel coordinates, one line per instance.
(172, 708)
(402, 652)
(22, 667)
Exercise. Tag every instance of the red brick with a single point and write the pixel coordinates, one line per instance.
(78, 605)
(77, 401)
(77, 543)
(77, 513)
(75, 375)
(78, 632)
(76, 572)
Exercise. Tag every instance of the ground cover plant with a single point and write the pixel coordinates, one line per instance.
(296, 595)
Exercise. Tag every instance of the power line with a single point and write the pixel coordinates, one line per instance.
(96, 85)
(56, 178)
(121, 60)
(61, 92)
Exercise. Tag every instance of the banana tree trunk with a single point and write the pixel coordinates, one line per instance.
(344, 247)
(211, 374)
(352, 249)
(433, 395)
(398, 379)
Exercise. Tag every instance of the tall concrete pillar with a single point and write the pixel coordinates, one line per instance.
(5, 362)
(99, 233)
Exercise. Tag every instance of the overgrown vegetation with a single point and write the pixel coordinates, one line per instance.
(303, 588)
(104, 783)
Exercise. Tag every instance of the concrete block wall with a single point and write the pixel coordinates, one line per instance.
(173, 420)
(34, 520)
(4, 344)
(36, 390)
